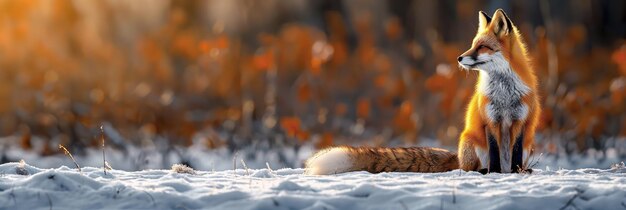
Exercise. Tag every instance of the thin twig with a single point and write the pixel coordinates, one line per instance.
(269, 168)
(67, 152)
(245, 167)
(235, 163)
(530, 154)
(104, 160)
(536, 161)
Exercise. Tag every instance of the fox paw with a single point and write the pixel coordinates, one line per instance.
(483, 171)
(486, 171)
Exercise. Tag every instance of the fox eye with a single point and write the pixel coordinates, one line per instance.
(484, 46)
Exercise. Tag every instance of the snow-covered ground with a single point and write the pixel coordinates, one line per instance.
(568, 182)
(66, 188)
(134, 158)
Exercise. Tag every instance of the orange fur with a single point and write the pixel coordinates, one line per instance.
(500, 39)
(380, 159)
(514, 51)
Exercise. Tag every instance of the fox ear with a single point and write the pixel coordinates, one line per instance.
(483, 20)
(502, 25)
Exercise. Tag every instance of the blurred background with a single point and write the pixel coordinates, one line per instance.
(207, 83)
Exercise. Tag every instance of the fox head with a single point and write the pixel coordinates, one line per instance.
(493, 45)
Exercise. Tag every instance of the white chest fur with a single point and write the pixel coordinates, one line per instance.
(505, 90)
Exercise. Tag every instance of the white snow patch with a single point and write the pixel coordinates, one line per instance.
(65, 188)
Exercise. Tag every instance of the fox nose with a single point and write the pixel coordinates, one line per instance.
(459, 58)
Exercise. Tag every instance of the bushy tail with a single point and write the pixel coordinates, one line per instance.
(379, 159)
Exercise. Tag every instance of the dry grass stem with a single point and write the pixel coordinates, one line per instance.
(104, 159)
(67, 152)
(245, 167)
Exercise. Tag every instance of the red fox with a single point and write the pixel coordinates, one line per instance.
(500, 120)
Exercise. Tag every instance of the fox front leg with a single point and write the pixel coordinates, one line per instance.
(494, 154)
(518, 154)
(517, 161)
(504, 146)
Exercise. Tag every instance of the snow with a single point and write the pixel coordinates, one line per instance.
(134, 158)
(67, 188)
(45, 182)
